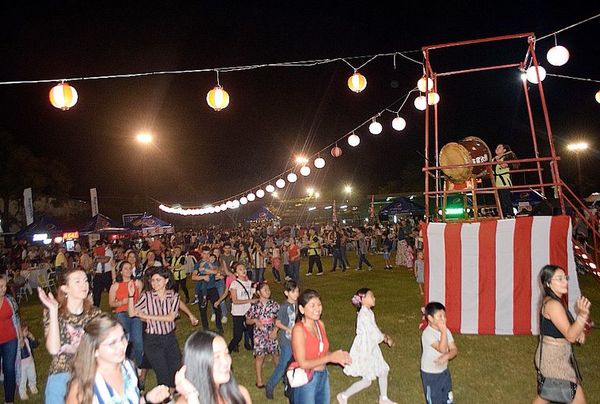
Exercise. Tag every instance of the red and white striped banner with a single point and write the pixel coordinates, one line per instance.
(487, 273)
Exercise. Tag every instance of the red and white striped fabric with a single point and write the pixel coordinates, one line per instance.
(487, 273)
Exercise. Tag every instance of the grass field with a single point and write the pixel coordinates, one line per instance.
(488, 369)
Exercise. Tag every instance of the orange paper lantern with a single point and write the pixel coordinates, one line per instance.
(63, 96)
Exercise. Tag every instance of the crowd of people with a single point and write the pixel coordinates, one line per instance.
(101, 357)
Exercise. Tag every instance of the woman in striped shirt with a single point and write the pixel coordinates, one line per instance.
(159, 307)
(101, 373)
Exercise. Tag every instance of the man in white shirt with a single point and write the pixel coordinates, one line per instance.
(104, 270)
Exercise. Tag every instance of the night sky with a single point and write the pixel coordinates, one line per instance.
(201, 155)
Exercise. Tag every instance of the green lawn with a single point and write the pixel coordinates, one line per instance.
(488, 369)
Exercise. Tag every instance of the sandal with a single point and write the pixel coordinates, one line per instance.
(260, 386)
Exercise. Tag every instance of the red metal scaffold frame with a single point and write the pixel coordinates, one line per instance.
(556, 183)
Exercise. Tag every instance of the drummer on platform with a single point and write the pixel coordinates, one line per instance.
(502, 178)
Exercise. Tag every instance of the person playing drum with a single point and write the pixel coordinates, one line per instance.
(502, 178)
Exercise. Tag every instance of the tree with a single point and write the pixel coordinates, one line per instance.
(20, 169)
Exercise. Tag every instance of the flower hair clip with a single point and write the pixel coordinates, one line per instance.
(357, 300)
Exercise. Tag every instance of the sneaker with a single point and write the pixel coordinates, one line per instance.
(269, 392)
(287, 278)
(341, 399)
(319, 273)
(204, 302)
(213, 318)
(24, 396)
(223, 320)
(308, 273)
(194, 302)
(370, 268)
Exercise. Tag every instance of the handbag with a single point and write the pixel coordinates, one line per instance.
(297, 376)
(554, 389)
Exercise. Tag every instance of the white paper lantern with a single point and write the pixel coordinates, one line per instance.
(558, 55)
(353, 140)
(433, 98)
(598, 97)
(260, 193)
(319, 162)
(236, 204)
(420, 103)
(532, 76)
(243, 200)
(270, 188)
(229, 204)
(292, 177)
(305, 170)
(421, 84)
(398, 123)
(251, 197)
(223, 206)
(375, 127)
(217, 209)
(280, 183)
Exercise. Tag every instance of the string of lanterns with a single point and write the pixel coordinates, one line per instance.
(257, 192)
(64, 96)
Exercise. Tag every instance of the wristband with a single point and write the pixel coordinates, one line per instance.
(130, 297)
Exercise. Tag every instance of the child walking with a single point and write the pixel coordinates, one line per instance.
(367, 359)
(286, 318)
(438, 349)
(262, 315)
(420, 271)
(28, 375)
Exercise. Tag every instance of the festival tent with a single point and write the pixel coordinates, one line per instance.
(42, 225)
(261, 214)
(101, 224)
(149, 225)
(401, 206)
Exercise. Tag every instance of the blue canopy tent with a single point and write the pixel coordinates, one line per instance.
(261, 214)
(149, 225)
(42, 225)
(400, 206)
(101, 224)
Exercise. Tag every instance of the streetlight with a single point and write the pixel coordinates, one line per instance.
(145, 139)
(348, 191)
(578, 148)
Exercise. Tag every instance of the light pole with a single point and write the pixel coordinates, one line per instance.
(578, 148)
(145, 139)
(348, 191)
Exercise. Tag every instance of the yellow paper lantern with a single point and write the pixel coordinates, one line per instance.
(217, 98)
(357, 82)
(598, 97)
(63, 96)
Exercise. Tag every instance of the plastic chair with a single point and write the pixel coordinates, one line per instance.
(46, 283)
(22, 292)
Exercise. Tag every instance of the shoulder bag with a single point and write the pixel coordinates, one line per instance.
(297, 376)
(553, 389)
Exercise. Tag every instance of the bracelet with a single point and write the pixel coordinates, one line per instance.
(130, 297)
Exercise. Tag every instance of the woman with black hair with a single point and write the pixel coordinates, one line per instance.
(206, 375)
(554, 356)
(502, 178)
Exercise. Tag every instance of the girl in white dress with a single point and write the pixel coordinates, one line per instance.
(367, 359)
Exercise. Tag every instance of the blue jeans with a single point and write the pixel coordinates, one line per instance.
(56, 387)
(259, 274)
(295, 270)
(8, 354)
(221, 288)
(133, 328)
(314, 392)
(437, 387)
(285, 355)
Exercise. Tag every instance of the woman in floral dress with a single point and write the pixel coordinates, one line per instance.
(262, 315)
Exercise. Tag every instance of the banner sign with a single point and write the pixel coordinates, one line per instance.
(28, 200)
(94, 200)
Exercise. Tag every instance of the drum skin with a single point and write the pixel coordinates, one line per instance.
(468, 150)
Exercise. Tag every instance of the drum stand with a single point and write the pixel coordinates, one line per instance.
(469, 186)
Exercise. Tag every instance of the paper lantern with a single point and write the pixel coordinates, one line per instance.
(420, 103)
(243, 200)
(319, 162)
(292, 177)
(63, 96)
(229, 204)
(217, 98)
(270, 188)
(398, 123)
(357, 82)
(353, 140)
(280, 183)
(558, 55)
(421, 84)
(260, 193)
(251, 196)
(305, 170)
(433, 98)
(375, 127)
(236, 204)
(532, 76)
(598, 97)
(336, 151)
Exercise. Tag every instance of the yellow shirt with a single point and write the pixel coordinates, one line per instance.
(60, 259)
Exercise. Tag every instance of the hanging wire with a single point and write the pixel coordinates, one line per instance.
(569, 27)
(562, 76)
